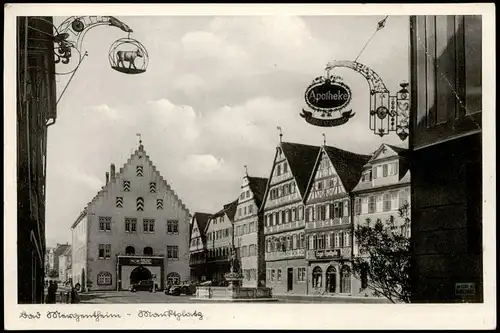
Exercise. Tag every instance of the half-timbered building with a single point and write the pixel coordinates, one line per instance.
(198, 247)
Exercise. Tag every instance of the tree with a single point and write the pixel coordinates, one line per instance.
(383, 262)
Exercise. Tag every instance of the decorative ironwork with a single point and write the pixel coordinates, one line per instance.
(127, 50)
(387, 113)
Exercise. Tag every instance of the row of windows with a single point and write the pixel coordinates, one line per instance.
(248, 251)
(281, 244)
(285, 216)
(281, 168)
(245, 229)
(281, 191)
(219, 234)
(218, 219)
(139, 203)
(327, 183)
(345, 278)
(106, 278)
(148, 225)
(275, 274)
(329, 240)
(218, 252)
(105, 251)
(247, 210)
(196, 241)
(382, 202)
(250, 274)
(324, 212)
(381, 171)
(245, 195)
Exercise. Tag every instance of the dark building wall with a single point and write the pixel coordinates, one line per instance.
(36, 105)
(446, 157)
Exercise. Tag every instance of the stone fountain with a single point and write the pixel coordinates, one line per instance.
(234, 291)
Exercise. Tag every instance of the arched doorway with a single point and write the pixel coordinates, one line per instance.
(331, 279)
(345, 279)
(317, 277)
(140, 273)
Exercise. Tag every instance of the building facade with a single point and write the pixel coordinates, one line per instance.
(65, 265)
(383, 188)
(220, 243)
(329, 221)
(198, 247)
(136, 228)
(283, 210)
(446, 158)
(36, 111)
(249, 231)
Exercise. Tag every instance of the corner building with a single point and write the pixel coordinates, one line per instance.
(136, 228)
(198, 247)
(249, 231)
(329, 221)
(284, 218)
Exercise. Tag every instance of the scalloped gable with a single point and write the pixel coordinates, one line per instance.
(153, 167)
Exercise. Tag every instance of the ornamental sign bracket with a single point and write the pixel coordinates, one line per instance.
(329, 101)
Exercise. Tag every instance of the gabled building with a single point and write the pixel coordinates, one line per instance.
(65, 265)
(328, 220)
(283, 211)
(220, 242)
(198, 247)
(249, 231)
(136, 228)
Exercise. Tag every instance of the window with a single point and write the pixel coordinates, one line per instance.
(357, 206)
(126, 186)
(345, 280)
(140, 204)
(173, 227)
(385, 170)
(159, 204)
(130, 250)
(312, 240)
(119, 202)
(252, 250)
(285, 167)
(337, 240)
(104, 223)
(371, 204)
(317, 277)
(346, 208)
(273, 274)
(252, 226)
(404, 197)
(302, 241)
(294, 242)
(301, 212)
(347, 239)
(148, 251)
(139, 170)
(387, 202)
(278, 170)
(245, 229)
(253, 274)
(292, 187)
(148, 225)
(250, 209)
(393, 169)
(244, 252)
(172, 252)
(247, 194)
(321, 241)
(104, 278)
(173, 278)
(104, 251)
(301, 274)
(279, 275)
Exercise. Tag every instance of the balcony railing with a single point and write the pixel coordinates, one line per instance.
(297, 253)
(284, 227)
(328, 223)
(338, 253)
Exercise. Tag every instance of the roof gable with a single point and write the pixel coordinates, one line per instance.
(386, 151)
(258, 187)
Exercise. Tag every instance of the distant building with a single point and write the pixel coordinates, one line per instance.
(220, 241)
(65, 265)
(446, 158)
(249, 231)
(49, 260)
(329, 221)
(383, 188)
(283, 211)
(54, 257)
(136, 228)
(198, 247)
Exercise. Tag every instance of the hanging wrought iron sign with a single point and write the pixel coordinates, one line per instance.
(328, 95)
(129, 56)
(328, 98)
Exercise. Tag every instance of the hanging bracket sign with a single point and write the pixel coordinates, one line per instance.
(328, 99)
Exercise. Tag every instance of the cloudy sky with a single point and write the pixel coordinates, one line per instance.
(209, 103)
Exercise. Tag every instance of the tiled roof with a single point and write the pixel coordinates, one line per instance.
(258, 187)
(202, 220)
(348, 165)
(301, 159)
(230, 209)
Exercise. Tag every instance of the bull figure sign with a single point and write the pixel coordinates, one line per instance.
(128, 56)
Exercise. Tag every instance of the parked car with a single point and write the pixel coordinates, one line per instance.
(186, 288)
(144, 285)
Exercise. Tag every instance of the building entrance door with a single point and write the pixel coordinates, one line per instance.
(140, 273)
(331, 280)
(289, 279)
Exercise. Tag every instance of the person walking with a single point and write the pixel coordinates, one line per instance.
(75, 298)
(51, 293)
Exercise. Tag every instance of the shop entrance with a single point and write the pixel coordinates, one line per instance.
(331, 279)
(140, 273)
(290, 279)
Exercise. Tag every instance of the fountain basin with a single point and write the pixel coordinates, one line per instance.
(234, 294)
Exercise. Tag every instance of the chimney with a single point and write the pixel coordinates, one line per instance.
(107, 178)
(112, 171)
